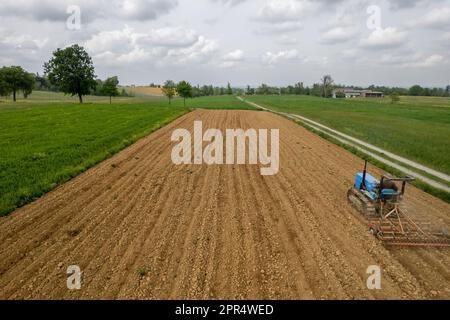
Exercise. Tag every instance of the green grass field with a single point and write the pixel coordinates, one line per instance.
(43, 97)
(49, 138)
(417, 128)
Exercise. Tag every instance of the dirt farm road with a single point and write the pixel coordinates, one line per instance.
(140, 227)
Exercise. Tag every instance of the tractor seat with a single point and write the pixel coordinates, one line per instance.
(388, 194)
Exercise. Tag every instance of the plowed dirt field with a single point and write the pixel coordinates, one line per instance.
(140, 227)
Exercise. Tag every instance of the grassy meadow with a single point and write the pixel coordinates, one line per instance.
(417, 128)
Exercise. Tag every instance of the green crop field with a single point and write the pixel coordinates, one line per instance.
(417, 128)
(49, 138)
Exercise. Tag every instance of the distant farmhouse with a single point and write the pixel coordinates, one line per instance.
(353, 93)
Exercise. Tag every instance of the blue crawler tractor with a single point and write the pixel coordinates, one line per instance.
(381, 203)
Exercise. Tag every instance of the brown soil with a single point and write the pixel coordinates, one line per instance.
(148, 90)
(140, 227)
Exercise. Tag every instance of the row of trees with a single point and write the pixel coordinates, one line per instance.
(209, 90)
(70, 70)
(15, 79)
(183, 89)
(435, 92)
(109, 88)
(322, 89)
(326, 86)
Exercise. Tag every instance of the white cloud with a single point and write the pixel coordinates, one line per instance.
(403, 4)
(411, 4)
(384, 39)
(415, 60)
(446, 38)
(341, 29)
(283, 15)
(143, 9)
(282, 11)
(236, 55)
(430, 61)
(338, 35)
(320, 61)
(232, 58)
(16, 48)
(170, 37)
(271, 58)
(163, 36)
(136, 55)
(276, 29)
(351, 54)
(200, 52)
(290, 15)
(230, 3)
(168, 44)
(24, 42)
(438, 18)
(115, 41)
(55, 10)
(287, 40)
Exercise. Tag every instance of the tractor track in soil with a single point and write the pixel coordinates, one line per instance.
(215, 232)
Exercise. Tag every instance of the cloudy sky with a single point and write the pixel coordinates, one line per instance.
(278, 42)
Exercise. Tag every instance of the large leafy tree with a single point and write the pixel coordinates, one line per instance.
(72, 71)
(14, 79)
(184, 90)
(109, 88)
(169, 89)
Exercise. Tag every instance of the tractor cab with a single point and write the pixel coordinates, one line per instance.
(386, 189)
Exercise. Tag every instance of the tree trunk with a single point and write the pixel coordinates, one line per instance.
(80, 97)
(14, 95)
